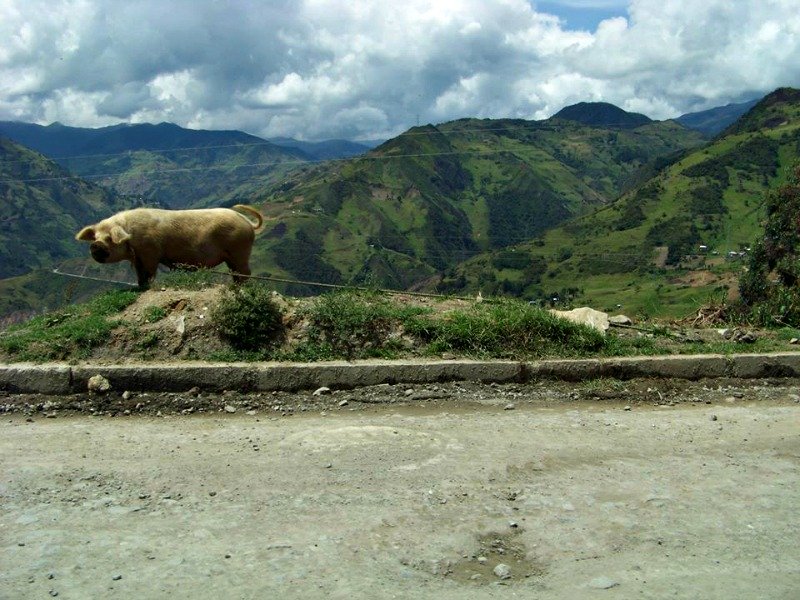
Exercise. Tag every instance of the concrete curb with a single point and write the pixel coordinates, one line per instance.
(57, 379)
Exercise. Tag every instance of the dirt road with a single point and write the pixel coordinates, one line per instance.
(576, 499)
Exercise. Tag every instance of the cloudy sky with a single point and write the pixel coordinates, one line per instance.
(366, 69)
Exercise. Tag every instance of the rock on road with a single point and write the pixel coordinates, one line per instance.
(583, 500)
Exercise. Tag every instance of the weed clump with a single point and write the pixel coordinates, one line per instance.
(249, 319)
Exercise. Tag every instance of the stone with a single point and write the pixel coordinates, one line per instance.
(585, 316)
(602, 583)
(743, 337)
(620, 320)
(322, 391)
(98, 384)
(794, 341)
(502, 571)
(230, 409)
(180, 325)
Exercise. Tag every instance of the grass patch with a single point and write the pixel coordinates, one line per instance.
(638, 346)
(148, 341)
(355, 325)
(70, 333)
(153, 314)
(199, 279)
(508, 329)
(788, 333)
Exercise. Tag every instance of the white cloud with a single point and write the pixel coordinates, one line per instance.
(368, 68)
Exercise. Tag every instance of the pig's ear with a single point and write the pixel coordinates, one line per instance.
(86, 234)
(119, 235)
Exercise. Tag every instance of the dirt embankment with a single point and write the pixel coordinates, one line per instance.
(176, 324)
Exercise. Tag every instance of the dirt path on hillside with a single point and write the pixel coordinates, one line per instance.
(688, 493)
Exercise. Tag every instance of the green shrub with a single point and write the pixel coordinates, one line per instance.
(770, 288)
(249, 319)
(509, 259)
(679, 233)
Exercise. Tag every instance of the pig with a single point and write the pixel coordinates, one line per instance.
(196, 238)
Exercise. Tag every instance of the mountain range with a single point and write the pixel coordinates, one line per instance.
(437, 195)
(668, 245)
(326, 149)
(162, 165)
(474, 204)
(715, 120)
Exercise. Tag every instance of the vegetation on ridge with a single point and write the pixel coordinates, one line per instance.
(254, 323)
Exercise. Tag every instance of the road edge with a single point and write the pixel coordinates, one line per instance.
(62, 379)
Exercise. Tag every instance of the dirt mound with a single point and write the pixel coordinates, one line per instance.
(167, 324)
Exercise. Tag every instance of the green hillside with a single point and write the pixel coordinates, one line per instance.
(435, 196)
(668, 245)
(41, 208)
(162, 164)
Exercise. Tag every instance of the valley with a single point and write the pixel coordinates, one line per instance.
(593, 206)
